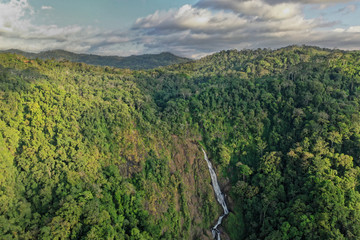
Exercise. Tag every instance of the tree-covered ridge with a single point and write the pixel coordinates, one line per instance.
(286, 133)
(97, 152)
(145, 61)
(83, 157)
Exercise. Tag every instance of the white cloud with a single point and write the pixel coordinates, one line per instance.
(11, 15)
(354, 29)
(208, 26)
(256, 8)
(308, 1)
(46, 7)
(196, 30)
(188, 17)
(18, 31)
(213, 25)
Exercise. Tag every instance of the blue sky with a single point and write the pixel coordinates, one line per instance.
(187, 28)
(108, 14)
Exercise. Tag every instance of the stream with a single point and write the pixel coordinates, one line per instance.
(219, 196)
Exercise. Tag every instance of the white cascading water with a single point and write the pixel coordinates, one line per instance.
(219, 196)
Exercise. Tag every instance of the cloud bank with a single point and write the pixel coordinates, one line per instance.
(213, 25)
(18, 31)
(308, 1)
(191, 30)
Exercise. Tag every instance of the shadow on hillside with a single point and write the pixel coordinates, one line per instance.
(18, 80)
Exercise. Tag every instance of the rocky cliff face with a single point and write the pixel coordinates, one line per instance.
(188, 161)
(189, 191)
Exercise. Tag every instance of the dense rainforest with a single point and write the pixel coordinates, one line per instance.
(145, 61)
(91, 152)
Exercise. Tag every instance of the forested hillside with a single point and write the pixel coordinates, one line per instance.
(103, 153)
(145, 61)
(84, 156)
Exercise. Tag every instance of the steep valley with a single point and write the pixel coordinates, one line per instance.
(90, 152)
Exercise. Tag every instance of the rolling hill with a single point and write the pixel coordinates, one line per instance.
(146, 61)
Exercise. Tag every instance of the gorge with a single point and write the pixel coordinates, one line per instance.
(91, 152)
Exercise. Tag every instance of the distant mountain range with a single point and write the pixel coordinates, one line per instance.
(146, 61)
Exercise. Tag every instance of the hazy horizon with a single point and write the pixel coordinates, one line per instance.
(185, 28)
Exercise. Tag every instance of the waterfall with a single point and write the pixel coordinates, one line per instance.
(219, 196)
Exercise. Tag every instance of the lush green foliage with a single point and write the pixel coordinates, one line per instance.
(284, 126)
(83, 156)
(89, 152)
(146, 61)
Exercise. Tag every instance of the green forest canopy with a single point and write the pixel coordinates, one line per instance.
(88, 152)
